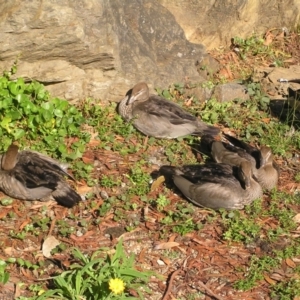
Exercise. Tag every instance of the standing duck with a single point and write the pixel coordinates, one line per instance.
(215, 185)
(30, 175)
(158, 117)
(264, 169)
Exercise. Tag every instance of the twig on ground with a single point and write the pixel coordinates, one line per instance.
(207, 289)
(168, 291)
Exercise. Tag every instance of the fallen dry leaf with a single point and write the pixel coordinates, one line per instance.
(269, 39)
(94, 143)
(4, 213)
(166, 245)
(166, 260)
(88, 157)
(49, 244)
(10, 251)
(188, 102)
(225, 72)
(84, 189)
(46, 203)
(290, 263)
(269, 280)
(26, 222)
(81, 238)
(296, 218)
(266, 120)
(156, 184)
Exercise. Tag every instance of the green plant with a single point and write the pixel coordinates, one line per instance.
(109, 181)
(65, 228)
(139, 180)
(208, 84)
(238, 227)
(4, 275)
(255, 46)
(297, 177)
(6, 201)
(286, 290)
(180, 219)
(255, 271)
(42, 223)
(99, 277)
(162, 202)
(255, 92)
(29, 113)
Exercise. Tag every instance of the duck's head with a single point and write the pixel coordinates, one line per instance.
(10, 157)
(245, 173)
(140, 92)
(266, 156)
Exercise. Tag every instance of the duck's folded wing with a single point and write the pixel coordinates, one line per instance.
(209, 170)
(44, 161)
(212, 172)
(241, 144)
(254, 159)
(33, 177)
(33, 171)
(171, 111)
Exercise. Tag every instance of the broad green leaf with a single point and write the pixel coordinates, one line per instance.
(15, 115)
(6, 121)
(58, 113)
(18, 134)
(6, 103)
(47, 106)
(22, 97)
(47, 115)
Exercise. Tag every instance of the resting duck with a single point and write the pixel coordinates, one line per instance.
(215, 185)
(30, 175)
(264, 169)
(158, 117)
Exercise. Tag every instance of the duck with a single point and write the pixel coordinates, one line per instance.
(30, 175)
(158, 117)
(215, 185)
(264, 168)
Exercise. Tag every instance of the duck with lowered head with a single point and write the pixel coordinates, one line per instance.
(158, 117)
(30, 175)
(264, 169)
(215, 185)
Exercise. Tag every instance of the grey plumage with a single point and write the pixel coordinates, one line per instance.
(264, 169)
(155, 116)
(30, 175)
(215, 185)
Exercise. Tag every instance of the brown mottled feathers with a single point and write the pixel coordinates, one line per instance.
(215, 185)
(155, 116)
(30, 175)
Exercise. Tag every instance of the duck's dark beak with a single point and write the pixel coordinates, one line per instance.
(129, 99)
(263, 161)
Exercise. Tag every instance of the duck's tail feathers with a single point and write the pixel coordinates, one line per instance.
(169, 171)
(207, 130)
(66, 196)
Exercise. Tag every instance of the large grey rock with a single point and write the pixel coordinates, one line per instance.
(268, 77)
(230, 91)
(214, 23)
(95, 48)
